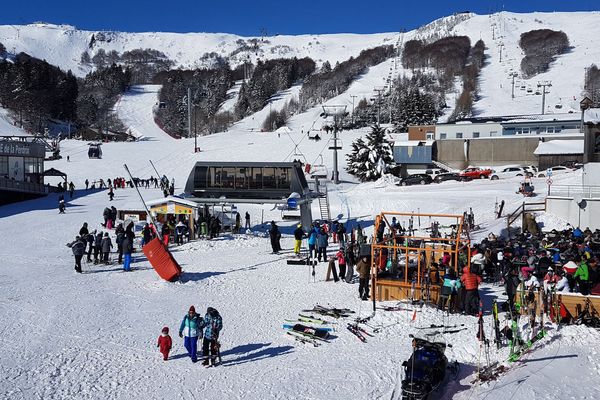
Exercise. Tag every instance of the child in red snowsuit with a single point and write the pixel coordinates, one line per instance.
(164, 343)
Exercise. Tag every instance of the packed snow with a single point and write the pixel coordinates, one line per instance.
(93, 336)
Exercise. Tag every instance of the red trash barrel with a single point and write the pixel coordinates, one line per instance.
(162, 260)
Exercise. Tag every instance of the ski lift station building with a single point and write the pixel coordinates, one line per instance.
(218, 182)
(21, 169)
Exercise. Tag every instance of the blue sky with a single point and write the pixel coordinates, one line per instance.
(250, 17)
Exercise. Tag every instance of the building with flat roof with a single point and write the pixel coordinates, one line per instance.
(21, 169)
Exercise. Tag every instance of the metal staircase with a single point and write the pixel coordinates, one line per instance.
(443, 166)
(324, 205)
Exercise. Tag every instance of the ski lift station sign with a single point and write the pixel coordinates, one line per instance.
(22, 149)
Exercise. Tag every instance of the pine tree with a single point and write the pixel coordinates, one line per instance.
(365, 156)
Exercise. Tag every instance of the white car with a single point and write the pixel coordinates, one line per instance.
(509, 172)
(558, 170)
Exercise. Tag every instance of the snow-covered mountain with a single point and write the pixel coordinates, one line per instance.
(63, 45)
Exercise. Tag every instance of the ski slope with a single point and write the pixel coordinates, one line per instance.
(92, 336)
(7, 126)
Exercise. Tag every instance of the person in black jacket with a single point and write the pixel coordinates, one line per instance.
(78, 249)
(128, 247)
(83, 232)
(120, 232)
(275, 236)
(97, 247)
(90, 240)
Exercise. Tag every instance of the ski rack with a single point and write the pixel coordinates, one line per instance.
(422, 250)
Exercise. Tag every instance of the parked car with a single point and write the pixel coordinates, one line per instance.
(448, 176)
(558, 170)
(510, 172)
(433, 172)
(416, 179)
(475, 173)
(532, 169)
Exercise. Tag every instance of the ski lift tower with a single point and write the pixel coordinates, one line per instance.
(335, 111)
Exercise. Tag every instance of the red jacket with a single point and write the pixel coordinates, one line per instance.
(164, 343)
(340, 257)
(469, 280)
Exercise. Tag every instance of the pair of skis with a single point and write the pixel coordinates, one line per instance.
(359, 332)
(331, 312)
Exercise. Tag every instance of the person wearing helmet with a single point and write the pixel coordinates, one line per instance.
(550, 279)
(298, 236)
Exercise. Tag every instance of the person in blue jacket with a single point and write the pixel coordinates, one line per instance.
(213, 323)
(312, 241)
(322, 241)
(190, 329)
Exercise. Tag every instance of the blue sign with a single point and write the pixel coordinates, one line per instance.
(292, 202)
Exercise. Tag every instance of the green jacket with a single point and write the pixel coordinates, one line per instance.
(582, 272)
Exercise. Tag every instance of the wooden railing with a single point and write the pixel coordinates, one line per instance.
(524, 208)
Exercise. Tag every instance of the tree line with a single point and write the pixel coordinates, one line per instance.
(540, 47)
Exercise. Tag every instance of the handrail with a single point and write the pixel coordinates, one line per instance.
(21, 186)
(589, 191)
(522, 209)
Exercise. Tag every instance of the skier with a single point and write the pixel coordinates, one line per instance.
(238, 223)
(213, 323)
(106, 216)
(128, 247)
(350, 261)
(83, 232)
(97, 247)
(111, 194)
(90, 241)
(106, 246)
(364, 272)
(120, 232)
(189, 330)
(550, 280)
(78, 249)
(341, 263)
(165, 343)
(312, 240)
(165, 233)
(341, 233)
(71, 189)
(298, 236)
(87, 184)
(61, 206)
(179, 232)
(275, 236)
(146, 235)
(449, 291)
(322, 245)
(471, 283)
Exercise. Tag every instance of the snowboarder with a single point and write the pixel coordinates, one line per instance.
(165, 343)
(213, 323)
(247, 218)
(78, 249)
(189, 330)
(106, 246)
(275, 236)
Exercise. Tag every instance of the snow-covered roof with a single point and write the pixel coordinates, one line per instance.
(413, 143)
(559, 147)
(283, 129)
(173, 199)
(592, 116)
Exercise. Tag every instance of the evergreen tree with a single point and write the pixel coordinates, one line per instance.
(365, 156)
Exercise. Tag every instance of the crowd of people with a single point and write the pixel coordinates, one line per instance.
(557, 261)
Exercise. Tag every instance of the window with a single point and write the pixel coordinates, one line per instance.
(3, 165)
(269, 178)
(283, 181)
(429, 135)
(442, 136)
(200, 177)
(459, 135)
(240, 179)
(31, 165)
(549, 129)
(475, 135)
(215, 177)
(228, 177)
(493, 133)
(256, 178)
